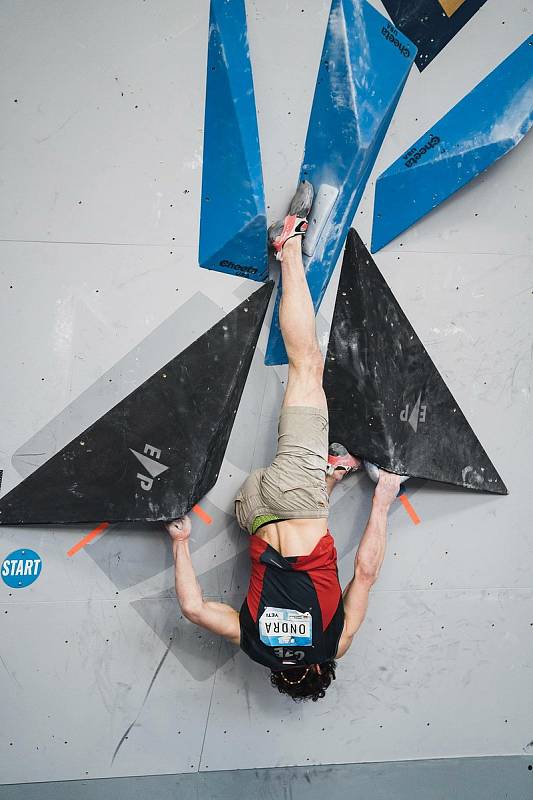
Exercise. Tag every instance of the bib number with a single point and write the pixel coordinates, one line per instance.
(284, 626)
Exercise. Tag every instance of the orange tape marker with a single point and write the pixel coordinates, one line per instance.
(204, 516)
(86, 539)
(404, 500)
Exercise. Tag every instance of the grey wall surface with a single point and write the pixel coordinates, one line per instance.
(101, 156)
(508, 778)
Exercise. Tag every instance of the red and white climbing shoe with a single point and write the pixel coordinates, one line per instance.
(340, 459)
(295, 223)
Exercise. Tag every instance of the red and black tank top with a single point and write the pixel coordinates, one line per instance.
(293, 613)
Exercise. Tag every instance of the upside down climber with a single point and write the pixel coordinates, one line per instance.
(295, 620)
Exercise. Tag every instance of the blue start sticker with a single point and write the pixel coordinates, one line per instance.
(21, 568)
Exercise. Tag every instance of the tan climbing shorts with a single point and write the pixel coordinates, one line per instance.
(294, 485)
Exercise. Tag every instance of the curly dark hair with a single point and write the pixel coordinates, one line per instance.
(305, 683)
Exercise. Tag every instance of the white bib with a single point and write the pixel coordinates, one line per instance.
(282, 626)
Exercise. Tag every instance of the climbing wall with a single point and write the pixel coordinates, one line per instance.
(101, 164)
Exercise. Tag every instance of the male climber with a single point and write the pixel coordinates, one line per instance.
(295, 619)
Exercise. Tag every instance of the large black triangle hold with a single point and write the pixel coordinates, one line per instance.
(159, 451)
(387, 401)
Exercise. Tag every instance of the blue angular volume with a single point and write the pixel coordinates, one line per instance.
(484, 126)
(364, 65)
(233, 236)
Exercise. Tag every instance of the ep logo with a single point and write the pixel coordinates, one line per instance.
(417, 415)
(154, 468)
(21, 568)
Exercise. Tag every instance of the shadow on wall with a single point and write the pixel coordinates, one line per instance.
(129, 555)
(132, 553)
(196, 649)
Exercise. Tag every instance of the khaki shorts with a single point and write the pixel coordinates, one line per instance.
(294, 485)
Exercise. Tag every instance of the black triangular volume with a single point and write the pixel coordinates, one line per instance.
(387, 401)
(157, 452)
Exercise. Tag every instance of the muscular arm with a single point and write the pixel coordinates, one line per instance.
(368, 559)
(215, 617)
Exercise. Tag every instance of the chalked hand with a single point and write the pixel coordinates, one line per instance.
(179, 529)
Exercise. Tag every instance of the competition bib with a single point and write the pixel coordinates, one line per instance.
(281, 626)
